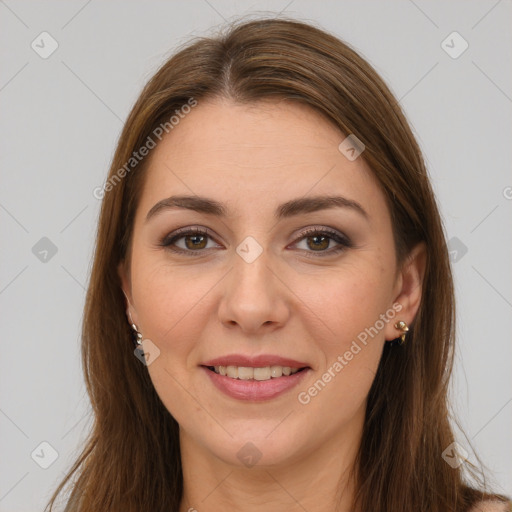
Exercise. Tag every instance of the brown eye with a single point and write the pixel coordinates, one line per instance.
(195, 240)
(319, 240)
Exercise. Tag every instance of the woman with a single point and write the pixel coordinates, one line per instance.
(270, 238)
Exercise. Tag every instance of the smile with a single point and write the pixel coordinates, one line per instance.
(250, 373)
(254, 384)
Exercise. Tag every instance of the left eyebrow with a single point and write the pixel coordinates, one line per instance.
(288, 209)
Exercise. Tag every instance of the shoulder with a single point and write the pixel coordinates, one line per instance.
(492, 506)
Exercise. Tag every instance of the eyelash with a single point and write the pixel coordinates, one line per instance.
(343, 241)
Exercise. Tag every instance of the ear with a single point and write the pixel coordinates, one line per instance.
(123, 272)
(408, 290)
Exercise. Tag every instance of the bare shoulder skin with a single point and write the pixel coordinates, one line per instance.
(492, 506)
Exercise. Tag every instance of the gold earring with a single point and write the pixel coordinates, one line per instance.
(402, 326)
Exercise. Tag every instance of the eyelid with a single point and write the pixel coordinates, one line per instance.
(323, 230)
(340, 238)
(182, 232)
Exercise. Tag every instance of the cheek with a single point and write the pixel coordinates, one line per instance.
(347, 301)
(170, 305)
(355, 319)
(351, 348)
(350, 305)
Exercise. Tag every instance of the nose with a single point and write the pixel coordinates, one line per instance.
(254, 298)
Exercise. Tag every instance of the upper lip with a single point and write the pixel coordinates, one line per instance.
(254, 361)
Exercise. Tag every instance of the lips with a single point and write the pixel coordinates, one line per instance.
(255, 361)
(254, 390)
(254, 383)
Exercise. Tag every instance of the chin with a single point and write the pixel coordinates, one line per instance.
(255, 448)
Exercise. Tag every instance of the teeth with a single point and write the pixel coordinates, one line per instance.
(245, 373)
(262, 373)
(232, 371)
(276, 371)
(248, 373)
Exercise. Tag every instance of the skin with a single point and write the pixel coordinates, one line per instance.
(252, 158)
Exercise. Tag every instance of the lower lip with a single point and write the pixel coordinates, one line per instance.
(255, 390)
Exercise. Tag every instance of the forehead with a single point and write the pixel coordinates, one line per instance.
(272, 131)
(253, 153)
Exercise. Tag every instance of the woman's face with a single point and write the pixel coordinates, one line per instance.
(259, 291)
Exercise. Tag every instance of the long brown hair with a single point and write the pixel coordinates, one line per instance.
(131, 460)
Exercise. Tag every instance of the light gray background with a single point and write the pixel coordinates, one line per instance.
(60, 120)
